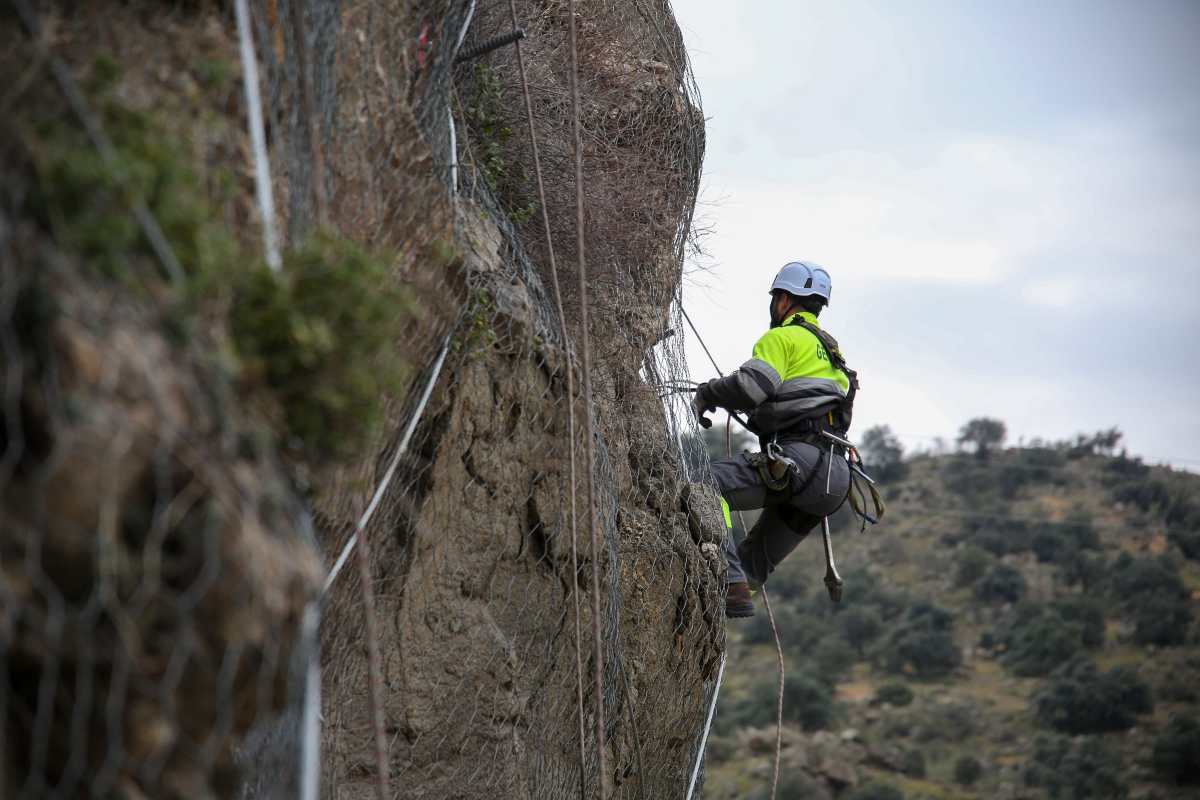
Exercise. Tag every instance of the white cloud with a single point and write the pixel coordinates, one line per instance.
(959, 189)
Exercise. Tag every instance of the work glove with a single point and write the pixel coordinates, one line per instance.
(701, 405)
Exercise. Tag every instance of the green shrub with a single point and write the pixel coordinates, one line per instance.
(807, 701)
(972, 563)
(1162, 619)
(1038, 647)
(876, 791)
(1001, 583)
(88, 202)
(794, 784)
(949, 722)
(913, 764)
(1077, 567)
(967, 770)
(1039, 637)
(1084, 770)
(1078, 698)
(833, 657)
(922, 643)
(1177, 750)
(860, 626)
(1088, 613)
(323, 335)
(1046, 546)
(1154, 597)
(1179, 684)
(883, 454)
(896, 694)
(719, 749)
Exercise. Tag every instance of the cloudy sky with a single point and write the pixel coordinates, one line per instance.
(1006, 194)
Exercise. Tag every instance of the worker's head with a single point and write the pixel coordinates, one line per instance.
(799, 286)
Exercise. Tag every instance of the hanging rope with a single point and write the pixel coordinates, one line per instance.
(391, 470)
(712, 708)
(562, 319)
(766, 599)
(258, 137)
(779, 706)
(601, 760)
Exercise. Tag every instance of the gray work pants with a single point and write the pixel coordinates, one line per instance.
(788, 515)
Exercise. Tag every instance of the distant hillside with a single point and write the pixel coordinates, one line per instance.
(1021, 625)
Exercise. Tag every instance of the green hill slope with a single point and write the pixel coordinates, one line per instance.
(1022, 624)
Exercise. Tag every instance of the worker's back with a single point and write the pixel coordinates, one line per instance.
(810, 385)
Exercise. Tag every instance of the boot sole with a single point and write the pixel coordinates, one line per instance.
(739, 611)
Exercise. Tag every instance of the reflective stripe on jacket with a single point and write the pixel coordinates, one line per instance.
(789, 379)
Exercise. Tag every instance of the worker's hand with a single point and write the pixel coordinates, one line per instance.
(701, 406)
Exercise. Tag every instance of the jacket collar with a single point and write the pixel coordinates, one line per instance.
(808, 317)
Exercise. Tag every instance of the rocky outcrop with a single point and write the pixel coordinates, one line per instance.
(156, 562)
(156, 556)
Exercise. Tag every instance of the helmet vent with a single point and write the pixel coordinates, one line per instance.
(808, 283)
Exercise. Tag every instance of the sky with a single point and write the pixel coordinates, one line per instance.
(1007, 196)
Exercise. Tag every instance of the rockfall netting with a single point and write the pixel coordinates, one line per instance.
(159, 568)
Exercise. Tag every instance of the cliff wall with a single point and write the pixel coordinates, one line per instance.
(137, 401)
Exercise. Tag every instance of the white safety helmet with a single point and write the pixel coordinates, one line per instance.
(804, 279)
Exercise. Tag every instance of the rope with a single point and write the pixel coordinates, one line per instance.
(779, 706)
(391, 470)
(562, 319)
(601, 760)
(374, 670)
(359, 538)
(310, 725)
(258, 138)
(637, 739)
(307, 110)
(766, 599)
(712, 708)
(700, 339)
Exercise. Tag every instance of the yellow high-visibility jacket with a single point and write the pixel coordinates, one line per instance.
(789, 379)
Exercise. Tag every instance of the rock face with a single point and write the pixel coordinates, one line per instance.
(156, 555)
(479, 652)
(155, 563)
(473, 548)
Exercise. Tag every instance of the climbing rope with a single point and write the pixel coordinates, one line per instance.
(258, 137)
(601, 760)
(779, 706)
(766, 598)
(359, 541)
(562, 320)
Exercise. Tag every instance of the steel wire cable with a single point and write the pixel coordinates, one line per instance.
(593, 527)
(766, 600)
(562, 319)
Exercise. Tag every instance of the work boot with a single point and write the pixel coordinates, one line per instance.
(738, 602)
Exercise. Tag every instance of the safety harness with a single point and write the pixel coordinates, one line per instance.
(845, 409)
(826, 429)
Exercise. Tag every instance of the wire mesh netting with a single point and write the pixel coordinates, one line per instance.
(160, 573)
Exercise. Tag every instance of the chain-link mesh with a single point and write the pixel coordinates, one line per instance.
(156, 556)
(156, 560)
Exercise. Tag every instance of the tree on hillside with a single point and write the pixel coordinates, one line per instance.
(1073, 770)
(922, 643)
(1177, 750)
(983, 435)
(882, 453)
(1079, 698)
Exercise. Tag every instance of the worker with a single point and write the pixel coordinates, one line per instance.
(795, 386)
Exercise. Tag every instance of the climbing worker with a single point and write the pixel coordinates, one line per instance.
(795, 386)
